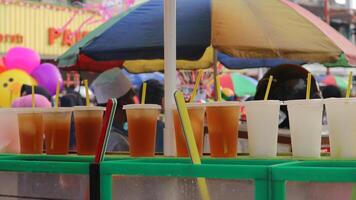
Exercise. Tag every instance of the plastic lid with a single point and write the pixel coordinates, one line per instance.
(60, 109)
(223, 104)
(141, 106)
(29, 110)
(262, 102)
(90, 108)
(340, 100)
(304, 101)
(7, 110)
(192, 106)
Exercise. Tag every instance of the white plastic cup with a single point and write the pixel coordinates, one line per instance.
(262, 137)
(305, 121)
(341, 115)
(9, 131)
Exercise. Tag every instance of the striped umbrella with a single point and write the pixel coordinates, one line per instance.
(238, 28)
(240, 84)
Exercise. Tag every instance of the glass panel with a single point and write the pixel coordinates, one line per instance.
(15, 185)
(318, 191)
(162, 188)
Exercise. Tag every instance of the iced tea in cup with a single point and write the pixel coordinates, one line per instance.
(88, 121)
(223, 125)
(341, 115)
(305, 121)
(9, 131)
(262, 138)
(57, 123)
(196, 113)
(142, 124)
(31, 130)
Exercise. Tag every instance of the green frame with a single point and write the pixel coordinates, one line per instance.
(241, 169)
(315, 171)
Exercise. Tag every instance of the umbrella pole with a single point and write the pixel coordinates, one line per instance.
(170, 75)
(215, 66)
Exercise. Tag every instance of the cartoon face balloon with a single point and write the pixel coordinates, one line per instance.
(10, 85)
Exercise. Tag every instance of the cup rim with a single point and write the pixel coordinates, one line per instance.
(303, 101)
(88, 108)
(262, 102)
(339, 100)
(223, 104)
(141, 106)
(27, 110)
(59, 109)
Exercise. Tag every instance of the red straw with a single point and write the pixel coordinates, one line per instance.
(98, 153)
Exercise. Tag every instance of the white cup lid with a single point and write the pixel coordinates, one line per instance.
(142, 106)
(259, 102)
(304, 102)
(339, 100)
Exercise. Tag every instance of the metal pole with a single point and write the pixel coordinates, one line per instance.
(170, 75)
(327, 20)
(215, 66)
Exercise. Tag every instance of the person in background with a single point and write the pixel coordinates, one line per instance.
(69, 100)
(330, 91)
(27, 90)
(154, 95)
(114, 84)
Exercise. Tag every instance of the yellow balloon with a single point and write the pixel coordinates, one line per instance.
(11, 82)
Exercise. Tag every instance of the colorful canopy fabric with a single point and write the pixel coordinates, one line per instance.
(240, 84)
(335, 81)
(238, 28)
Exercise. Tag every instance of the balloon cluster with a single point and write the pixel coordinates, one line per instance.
(23, 66)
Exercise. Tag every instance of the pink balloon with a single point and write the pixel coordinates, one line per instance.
(47, 76)
(22, 58)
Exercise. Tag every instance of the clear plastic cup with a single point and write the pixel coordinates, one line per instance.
(57, 123)
(196, 113)
(223, 125)
(142, 125)
(262, 138)
(9, 131)
(88, 122)
(31, 130)
(341, 114)
(305, 121)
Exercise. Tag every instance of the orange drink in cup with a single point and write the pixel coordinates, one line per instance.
(31, 130)
(88, 123)
(57, 123)
(142, 125)
(196, 113)
(223, 124)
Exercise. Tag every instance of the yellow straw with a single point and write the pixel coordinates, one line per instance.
(143, 95)
(196, 85)
(87, 92)
(268, 87)
(308, 86)
(349, 86)
(33, 95)
(57, 93)
(189, 136)
(218, 88)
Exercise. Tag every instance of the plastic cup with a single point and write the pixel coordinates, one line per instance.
(142, 125)
(262, 138)
(88, 123)
(223, 124)
(31, 130)
(341, 114)
(196, 113)
(57, 123)
(305, 121)
(9, 131)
